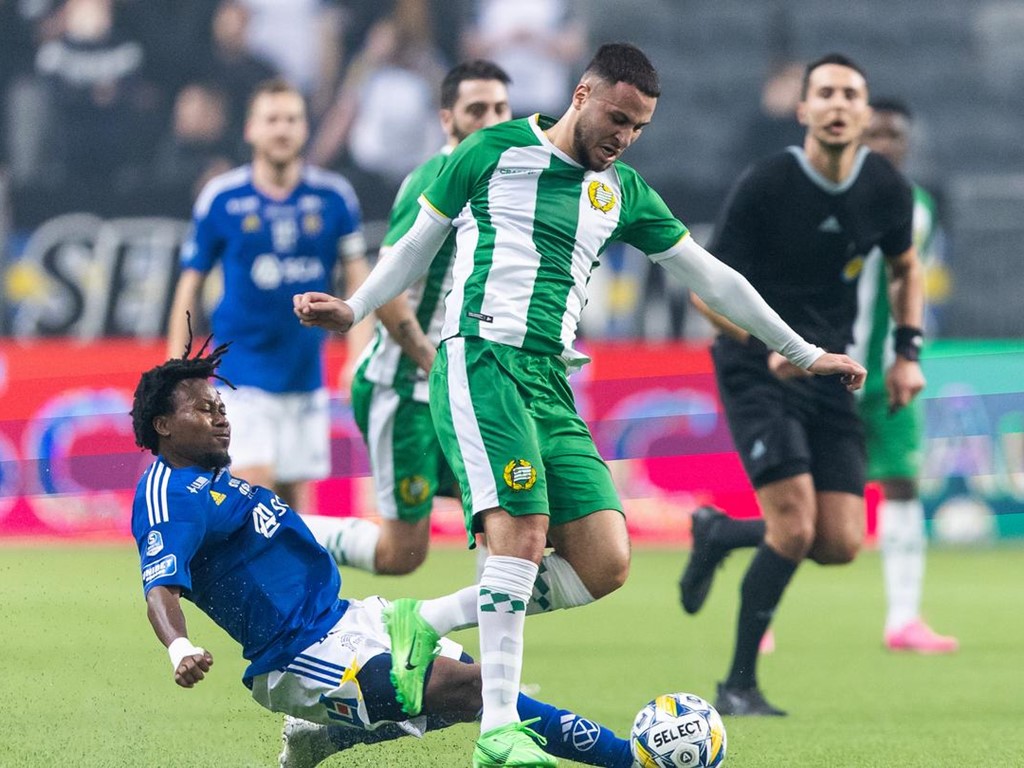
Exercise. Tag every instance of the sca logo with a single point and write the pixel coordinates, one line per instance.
(520, 475)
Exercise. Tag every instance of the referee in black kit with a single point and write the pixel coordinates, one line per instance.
(799, 226)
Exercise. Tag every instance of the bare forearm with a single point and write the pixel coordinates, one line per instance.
(401, 324)
(906, 291)
(165, 614)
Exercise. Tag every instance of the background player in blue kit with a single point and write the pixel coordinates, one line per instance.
(276, 226)
(246, 559)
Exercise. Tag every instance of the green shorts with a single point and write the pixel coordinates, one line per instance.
(894, 442)
(406, 460)
(508, 425)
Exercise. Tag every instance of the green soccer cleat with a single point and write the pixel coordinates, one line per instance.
(414, 644)
(511, 745)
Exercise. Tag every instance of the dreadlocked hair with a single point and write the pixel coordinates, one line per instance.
(155, 391)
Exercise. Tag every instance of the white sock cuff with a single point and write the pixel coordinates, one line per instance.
(351, 541)
(902, 522)
(512, 575)
(567, 589)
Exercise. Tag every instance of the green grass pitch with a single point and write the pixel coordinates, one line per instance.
(86, 683)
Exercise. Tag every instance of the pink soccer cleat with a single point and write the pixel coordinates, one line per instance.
(918, 637)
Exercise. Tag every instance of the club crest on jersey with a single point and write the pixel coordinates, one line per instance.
(312, 223)
(251, 223)
(414, 489)
(853, 269)
(520, 475)
(601, 196)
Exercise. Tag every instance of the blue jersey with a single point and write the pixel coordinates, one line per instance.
(271, 249)
(242, 555)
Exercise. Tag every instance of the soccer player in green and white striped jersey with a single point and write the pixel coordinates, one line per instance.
(895, 438)
(389, 388)
(534, 203)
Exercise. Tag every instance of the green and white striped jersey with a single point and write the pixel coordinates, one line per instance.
(531, 224)
(872, 330)
(385, 362)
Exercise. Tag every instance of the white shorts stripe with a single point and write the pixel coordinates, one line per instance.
(482, 487)
(380, 441)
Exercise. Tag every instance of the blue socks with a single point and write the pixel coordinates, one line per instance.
(574, 737)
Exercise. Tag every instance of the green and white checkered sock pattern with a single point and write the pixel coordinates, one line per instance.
(499, 602)
(557, 586)
(505, 587)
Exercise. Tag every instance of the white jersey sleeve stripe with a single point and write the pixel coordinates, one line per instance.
(236, 177)
(149, 493)
(164, 510)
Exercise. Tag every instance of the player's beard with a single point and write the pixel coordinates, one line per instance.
(214, 460)
(459, 133)
(579, 143)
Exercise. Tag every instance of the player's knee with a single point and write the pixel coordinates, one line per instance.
(839, 551)
(793, 539)
(453, 690)
(609, 577)
(398, 561)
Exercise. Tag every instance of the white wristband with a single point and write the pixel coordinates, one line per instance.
(180, 648)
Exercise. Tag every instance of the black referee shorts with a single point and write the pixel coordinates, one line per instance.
(786, 428)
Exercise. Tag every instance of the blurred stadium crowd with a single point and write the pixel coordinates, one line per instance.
(123, 108)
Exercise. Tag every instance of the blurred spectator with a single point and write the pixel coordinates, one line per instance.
(774, 126)
(302, 40)
(198, 146)
(98, 94)
(538, 42)
(19, 120)
(175, 36)
(385, 113)
(232, 64)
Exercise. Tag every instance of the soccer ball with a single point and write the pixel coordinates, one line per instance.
(678, 730)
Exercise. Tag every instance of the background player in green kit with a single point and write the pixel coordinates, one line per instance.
(535, 202)
(389, 390)
(894, 437)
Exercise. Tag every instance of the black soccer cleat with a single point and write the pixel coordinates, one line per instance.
(705, 557)
(744, 702)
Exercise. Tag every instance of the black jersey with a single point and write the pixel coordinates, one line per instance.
(802, 240)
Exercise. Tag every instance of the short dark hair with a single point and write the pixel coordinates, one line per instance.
(893, 105)
(155, 391)
(476, 69)
(272, 86)
(625, 63)
(829, 58)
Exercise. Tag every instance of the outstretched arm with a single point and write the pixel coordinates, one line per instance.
(165, 615)
(406, 262)
(726, 292)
